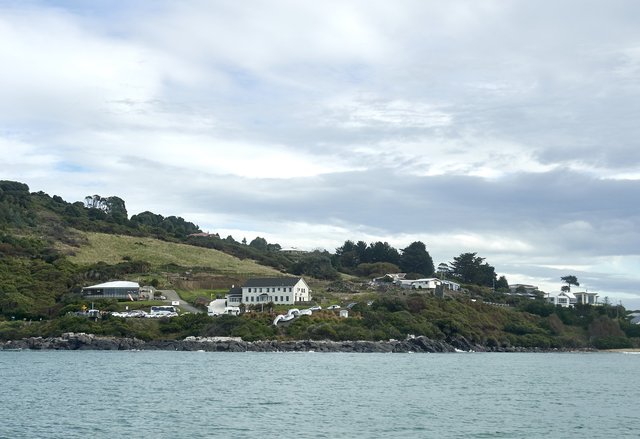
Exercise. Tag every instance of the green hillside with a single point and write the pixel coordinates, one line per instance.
(113, 249)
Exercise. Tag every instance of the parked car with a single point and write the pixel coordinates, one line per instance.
(316, 308)
(333, 307)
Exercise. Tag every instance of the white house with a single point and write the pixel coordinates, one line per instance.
(448, 285)
(523, 289)
(567, 298)
(279, 290)
(564, 299)
(586, 298)
(219, 307)
(426, 283)
(430, 283)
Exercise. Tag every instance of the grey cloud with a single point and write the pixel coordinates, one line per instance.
(554, 82)
(569, 210)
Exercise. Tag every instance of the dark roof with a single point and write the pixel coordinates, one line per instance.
(235, 291)
(271, 282)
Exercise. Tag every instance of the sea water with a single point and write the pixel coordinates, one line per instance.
(159, 394)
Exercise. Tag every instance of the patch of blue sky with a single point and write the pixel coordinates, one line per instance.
(70, 167)
(99, 8)
(243, 78)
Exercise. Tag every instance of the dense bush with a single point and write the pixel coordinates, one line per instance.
(612, 342)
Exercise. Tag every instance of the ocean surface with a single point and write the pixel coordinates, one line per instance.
(159, 394)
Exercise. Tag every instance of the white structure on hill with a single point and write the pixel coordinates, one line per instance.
(279, 290)
(219, 307)
(567, 298)
(523, 289)
(119, 289)
(429, 283)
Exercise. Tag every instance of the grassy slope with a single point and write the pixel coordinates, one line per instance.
(112, 248)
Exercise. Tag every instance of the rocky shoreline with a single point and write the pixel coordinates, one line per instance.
(81, 341)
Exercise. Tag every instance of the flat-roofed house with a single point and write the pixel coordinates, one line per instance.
(586, 298)
(119, 289)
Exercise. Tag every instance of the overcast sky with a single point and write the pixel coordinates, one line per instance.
(506, 128)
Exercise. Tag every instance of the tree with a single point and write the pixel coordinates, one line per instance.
(443, 269)
(316, 264)
(115, 207)
(382, 252)
(416, 259)
(259, 243)
(569, 280)
(472, 269)
(147, 219)
(347, 256)
(502, 284)
(361, 252)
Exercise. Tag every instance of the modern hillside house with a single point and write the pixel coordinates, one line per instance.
(586, 298)
(119, 289)
(567, 299)
(279, 290)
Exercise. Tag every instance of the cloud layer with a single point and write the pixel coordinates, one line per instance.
(499, 127)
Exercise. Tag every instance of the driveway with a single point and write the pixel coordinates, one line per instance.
(172, 296)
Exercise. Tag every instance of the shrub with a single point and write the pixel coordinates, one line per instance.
(612, 342)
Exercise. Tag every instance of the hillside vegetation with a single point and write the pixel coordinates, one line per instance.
(113, 249)
(50, 249)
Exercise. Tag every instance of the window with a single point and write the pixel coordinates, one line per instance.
(273, 290)
(290, 289)
(252, 298)
(248, 290)
(260, 290)
(281, 298)
(287, 298)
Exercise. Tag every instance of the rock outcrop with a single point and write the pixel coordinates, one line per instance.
(75, 341)
(82, 341)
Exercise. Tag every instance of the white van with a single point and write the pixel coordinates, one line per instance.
(163, 311)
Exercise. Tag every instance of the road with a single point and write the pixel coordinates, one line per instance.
(172, 296)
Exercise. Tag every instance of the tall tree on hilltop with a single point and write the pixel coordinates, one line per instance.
(361, 252)
(259, 243)
(346, 256)
(569, 280)
(472, 269)
(115, 207)
(382, 252)
(416, 259)
(502, 284)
